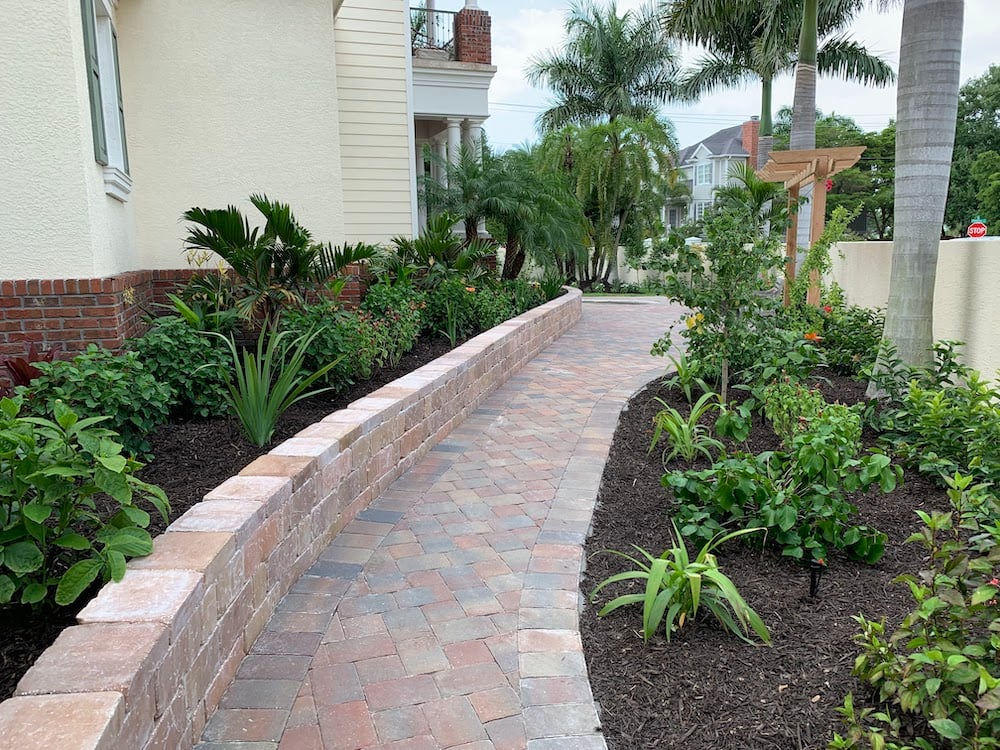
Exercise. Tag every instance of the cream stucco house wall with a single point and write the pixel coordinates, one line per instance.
(118, 115)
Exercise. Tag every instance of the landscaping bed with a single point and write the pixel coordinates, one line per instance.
(706, 689)
(190, 459)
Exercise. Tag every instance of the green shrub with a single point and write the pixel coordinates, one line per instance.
(942, 665)
(53, 540)
(798, 495)
(851, 338)
(686, 436)
(191, 364)
(451, 309)
(397, 314)
(491, 307)
(339, 336)
(99, 382)
(789, 406)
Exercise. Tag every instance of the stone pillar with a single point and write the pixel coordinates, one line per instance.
(472, 35)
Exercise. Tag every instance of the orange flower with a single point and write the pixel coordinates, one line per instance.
(470, 288)
(812, 336)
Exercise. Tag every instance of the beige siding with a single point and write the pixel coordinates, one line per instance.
(375, 123)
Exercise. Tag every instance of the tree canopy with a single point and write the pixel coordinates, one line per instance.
(971, 189)
(610, 66)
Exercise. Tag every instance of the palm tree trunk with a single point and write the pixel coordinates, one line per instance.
(803, 135)
(926, 106)
(765, 138)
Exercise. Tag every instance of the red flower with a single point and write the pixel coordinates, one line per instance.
(829, 185)
(827, 309)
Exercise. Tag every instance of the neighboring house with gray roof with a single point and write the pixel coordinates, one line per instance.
(705, 167)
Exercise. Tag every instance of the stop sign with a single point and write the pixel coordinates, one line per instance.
(977, 228)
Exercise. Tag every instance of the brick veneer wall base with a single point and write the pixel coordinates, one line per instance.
(153, 654)
(72, 313)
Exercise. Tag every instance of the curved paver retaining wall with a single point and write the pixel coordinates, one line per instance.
(153, 655)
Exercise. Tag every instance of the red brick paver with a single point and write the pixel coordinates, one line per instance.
(445, 615)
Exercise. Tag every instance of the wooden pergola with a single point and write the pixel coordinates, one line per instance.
(796, 169)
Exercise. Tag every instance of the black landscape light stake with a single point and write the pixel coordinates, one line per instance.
(816, 568)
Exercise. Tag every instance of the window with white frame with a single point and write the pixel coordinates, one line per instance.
(700, 207)
(703, 174)
(104, 84)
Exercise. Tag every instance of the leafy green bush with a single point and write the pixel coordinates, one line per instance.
(675, 587)
(451, 309)
(798, 495)
(851, 338)
(492, 307)
(942, 666)
(338, 336)
(191, 364)
(99, 382)
(397, 317)
(789, 406)
(948, 428)
(53, 541)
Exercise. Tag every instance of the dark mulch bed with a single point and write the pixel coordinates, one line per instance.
(191, 458)
(706, 689)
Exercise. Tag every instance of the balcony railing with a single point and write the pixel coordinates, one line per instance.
(433, 30)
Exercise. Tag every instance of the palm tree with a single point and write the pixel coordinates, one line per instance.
(930, 58)
(760, 45)
(611, 66)
(619, 170)
(546, 221)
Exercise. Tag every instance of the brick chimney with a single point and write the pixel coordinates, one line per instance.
(751, 135)
(472, 36)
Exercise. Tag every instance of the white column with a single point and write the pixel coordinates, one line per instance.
(454, 139)
(473, 141)
(441, 152)
(421, 172)
(474, 135)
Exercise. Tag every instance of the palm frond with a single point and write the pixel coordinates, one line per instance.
(847, 59)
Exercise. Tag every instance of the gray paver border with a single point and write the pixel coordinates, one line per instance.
(575, 725)
(238, 552)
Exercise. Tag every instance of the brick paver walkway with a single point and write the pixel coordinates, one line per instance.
(445, 615)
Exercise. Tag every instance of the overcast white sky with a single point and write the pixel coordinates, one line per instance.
(522, 28)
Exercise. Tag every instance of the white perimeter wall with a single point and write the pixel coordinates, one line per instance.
(224, 99)
(55, 218)
(966, 291)
(376, 119)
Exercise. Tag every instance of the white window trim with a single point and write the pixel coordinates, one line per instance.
(699, 209)
(698, 170)
(117, 182)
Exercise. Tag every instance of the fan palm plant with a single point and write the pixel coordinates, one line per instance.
(276, 264)
(435, 255)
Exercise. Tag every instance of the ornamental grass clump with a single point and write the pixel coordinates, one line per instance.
(676, 587)
(265, 384)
